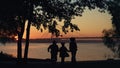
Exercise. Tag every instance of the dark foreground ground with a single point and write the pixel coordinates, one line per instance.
(46, 64)
(7, 61)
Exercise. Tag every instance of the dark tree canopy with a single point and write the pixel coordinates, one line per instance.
(8, 29)
(114, 10)
(10, 13)
(45, 11)
(12, 7)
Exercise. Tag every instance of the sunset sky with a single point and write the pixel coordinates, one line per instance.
(91, 24)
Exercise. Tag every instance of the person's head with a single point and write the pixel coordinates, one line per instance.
(72, 39)
(54, 42)
(62, 43)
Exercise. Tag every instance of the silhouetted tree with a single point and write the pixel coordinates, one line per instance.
(111, 40)
(108, 38)
(12, 21)
(111, 37)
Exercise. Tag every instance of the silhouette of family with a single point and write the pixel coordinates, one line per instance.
(54, 49)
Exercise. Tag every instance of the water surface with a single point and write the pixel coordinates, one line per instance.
(86, 51)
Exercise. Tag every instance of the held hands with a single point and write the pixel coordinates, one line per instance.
(68, 50)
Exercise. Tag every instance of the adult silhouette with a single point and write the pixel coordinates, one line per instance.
(53, 49)
(73, 49)
(63, 52)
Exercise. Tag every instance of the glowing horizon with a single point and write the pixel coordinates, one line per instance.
(91, 24)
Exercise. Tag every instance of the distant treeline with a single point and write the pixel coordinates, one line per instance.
(79, 40)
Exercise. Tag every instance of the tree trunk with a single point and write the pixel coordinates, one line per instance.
(19, 48)
(19, 42)
(30, 12)
(27, 41)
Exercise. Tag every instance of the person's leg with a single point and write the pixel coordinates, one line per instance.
(73, 59)
(75, 56)
(52, 57)
(55, 58)
(62, 59)
(72, 56)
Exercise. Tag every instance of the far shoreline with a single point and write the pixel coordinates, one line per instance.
(78, 40)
